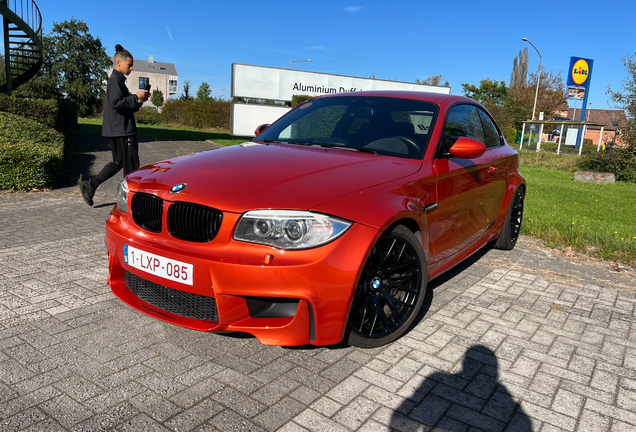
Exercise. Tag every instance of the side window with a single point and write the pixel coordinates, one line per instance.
(491, 133)
(462, 120)
(142, 82)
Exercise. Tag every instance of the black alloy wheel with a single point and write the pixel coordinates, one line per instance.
(512, 225)
(390, 292)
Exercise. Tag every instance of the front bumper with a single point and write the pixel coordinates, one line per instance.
(280, 297)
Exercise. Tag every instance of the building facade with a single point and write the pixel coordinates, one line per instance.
(612, 120)
(161, 76)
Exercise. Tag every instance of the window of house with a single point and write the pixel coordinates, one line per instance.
(143, 81)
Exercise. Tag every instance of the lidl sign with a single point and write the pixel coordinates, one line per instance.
(580, 71)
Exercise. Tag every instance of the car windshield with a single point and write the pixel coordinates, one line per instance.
(382, 125)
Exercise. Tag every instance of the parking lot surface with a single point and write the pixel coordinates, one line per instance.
(521, 340)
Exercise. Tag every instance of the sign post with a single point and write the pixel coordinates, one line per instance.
(580, 75)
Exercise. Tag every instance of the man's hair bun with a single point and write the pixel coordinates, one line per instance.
(122, 52)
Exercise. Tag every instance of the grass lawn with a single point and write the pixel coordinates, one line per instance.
(94, 127)
(592, 218)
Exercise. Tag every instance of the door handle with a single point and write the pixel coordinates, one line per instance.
(493, 171)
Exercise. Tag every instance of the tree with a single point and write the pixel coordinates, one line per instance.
(204, 91)
(626, 100)
(435, 80)
(75, 65)
(551, 96)
(157, 98)
(519, 76)
(489, 92)
(186, 91)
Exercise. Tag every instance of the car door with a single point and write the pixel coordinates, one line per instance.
(467, 189)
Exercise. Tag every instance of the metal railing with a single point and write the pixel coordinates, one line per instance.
(27, 11)
(22, 29)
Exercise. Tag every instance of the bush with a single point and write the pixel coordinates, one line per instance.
(59, 114)
(298, 99)
(201, 114)
(620, 161)
(148, 115)
(31, 155)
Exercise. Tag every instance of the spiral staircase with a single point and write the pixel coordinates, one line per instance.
(22, 32)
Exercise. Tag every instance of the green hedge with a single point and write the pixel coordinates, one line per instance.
(298, 99)
(31, 155)
(620, 161)
(148, 115)
(201, 114)
(58, 114)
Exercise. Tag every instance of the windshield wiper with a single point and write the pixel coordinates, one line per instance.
(346, 147)
(267, 141)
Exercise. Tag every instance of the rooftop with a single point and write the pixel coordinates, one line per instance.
(151, 66)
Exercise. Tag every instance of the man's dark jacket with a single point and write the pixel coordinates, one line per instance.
(120, 108)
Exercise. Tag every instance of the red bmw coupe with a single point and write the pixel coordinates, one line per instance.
(325, 228)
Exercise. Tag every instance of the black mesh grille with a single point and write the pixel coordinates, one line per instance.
(147, 211)
(171, 300)
(193, 222)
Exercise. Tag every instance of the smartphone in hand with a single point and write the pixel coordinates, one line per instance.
(147, 88)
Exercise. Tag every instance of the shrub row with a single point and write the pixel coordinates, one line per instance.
(201, 114)
(620, 161)
(298, 99)
(59, 114)
(31, 155)
(148, 115)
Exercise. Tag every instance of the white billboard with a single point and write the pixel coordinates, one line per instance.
(261, 82)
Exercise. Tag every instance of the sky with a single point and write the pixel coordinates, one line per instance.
(465, 41)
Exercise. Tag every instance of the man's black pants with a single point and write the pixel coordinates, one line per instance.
(125, 155)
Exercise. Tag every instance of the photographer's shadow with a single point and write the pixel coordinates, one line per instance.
(471, 398)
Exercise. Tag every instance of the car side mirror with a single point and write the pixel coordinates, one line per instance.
(259, 130)
(467, 148)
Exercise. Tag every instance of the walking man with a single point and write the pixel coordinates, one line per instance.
(118, 124)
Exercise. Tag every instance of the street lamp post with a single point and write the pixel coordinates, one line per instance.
(536, 94)
(297, 61)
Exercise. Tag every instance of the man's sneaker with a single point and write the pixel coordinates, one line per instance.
(88, 191)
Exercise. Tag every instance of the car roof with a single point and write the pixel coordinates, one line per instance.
(437, 98)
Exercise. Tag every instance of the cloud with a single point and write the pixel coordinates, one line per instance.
(353, 9)
(169, 34)
(318, 47)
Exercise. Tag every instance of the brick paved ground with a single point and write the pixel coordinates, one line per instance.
(521, 340)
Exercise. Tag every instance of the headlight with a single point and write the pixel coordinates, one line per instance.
(289, 229)
(122, 196)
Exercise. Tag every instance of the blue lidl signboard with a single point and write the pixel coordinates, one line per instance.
(580, 73)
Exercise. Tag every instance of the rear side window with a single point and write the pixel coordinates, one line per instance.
(491, 133)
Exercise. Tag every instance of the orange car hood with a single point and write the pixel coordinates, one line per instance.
(260, 176)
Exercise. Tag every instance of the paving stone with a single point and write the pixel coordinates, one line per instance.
(568, 403)
(279, 414)
(356, 413)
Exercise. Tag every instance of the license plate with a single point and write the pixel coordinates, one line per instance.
(157, 265)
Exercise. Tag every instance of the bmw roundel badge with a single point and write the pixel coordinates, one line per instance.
(375, 283)
(177, 188)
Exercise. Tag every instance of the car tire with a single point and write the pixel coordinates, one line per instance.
(390, 291)
(512, 225)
